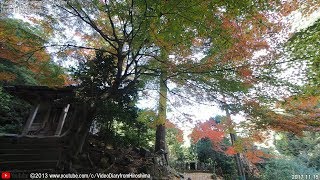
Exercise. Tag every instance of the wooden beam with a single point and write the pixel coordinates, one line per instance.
(62, 120)
(30, 120)
(46, 117)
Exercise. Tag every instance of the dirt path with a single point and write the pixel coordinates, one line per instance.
(197, 176)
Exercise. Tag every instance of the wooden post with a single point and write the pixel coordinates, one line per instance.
(62, 120)
(30, 120)
(46, 117)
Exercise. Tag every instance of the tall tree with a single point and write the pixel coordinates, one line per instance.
(233, 135)
(115, 29)
(181, 29)
(162, 110)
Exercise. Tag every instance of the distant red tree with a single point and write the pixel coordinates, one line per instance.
(209, 129)
(217, 132)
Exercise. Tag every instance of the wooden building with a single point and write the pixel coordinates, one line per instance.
(51, 111)
(43, 140)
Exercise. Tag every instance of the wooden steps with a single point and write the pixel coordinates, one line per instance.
(54, 155)
(26, 153)
(28, 165)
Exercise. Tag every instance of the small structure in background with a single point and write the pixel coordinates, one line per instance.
(192, 166)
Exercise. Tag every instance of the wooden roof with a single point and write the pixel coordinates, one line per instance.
(36, 94)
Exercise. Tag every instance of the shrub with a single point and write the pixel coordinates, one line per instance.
(285, 169)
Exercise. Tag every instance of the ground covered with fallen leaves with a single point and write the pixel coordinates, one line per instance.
(105, 158)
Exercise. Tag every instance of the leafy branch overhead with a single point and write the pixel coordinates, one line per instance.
(22, 46)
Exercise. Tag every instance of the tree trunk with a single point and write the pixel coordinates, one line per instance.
(160, 138)
(75, 140)
(162, 112)
(85, 128)
(240, 168)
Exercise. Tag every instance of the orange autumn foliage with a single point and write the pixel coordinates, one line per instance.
(247, 36)
(180, 136)
(256, 156)
(178, 132)
(209, 129)
(301, 112)
(6, 76)
(230, 151)
(250, 151)
(217, 132)
(306, 7)
(294, 114)
(20, 45)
